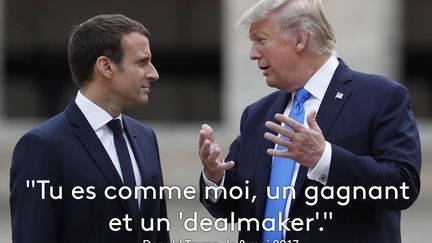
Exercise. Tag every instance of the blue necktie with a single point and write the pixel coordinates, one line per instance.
(282, 170)
(125, 164)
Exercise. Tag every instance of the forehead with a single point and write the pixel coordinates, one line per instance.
(135, 42)
(266, 26)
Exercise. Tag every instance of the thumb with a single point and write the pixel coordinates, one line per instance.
(312, 121)
(227, 165)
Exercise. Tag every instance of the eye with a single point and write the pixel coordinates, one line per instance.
(143, 62)
(261, 40)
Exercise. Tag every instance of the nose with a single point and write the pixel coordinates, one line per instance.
(254, 53)
(152, 74)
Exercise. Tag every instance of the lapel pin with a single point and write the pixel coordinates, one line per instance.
(134, 135)
(339, 95)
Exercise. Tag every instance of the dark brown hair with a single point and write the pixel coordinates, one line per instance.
(98, 36)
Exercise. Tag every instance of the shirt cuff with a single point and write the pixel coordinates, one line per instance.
(213, 195)
(321, 170)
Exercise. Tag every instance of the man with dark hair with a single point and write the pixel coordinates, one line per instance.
(73, 158)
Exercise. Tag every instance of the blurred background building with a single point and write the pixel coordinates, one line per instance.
(205, 76)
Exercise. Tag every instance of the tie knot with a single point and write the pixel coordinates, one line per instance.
(301, 95)
(115, 126)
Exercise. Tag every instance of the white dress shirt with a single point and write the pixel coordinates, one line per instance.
(98, 119)
(317, 86)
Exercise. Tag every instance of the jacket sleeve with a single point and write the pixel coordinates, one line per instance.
(224, 207)
(34, 219)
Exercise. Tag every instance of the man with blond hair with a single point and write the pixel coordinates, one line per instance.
(327, 128)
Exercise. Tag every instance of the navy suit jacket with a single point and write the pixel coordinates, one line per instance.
(66, 151)
(374, 142)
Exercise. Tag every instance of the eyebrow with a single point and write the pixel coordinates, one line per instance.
(254, 36)
(144, 58)
(256, 33)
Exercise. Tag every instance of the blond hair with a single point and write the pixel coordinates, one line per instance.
(294, 16)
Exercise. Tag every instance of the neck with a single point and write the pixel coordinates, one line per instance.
(311, 65)
(102, 99)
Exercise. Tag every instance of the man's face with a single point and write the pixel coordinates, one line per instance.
(276, 55)
(131, 81)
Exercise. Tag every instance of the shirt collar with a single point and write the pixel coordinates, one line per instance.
(95, 115)
(318, 83)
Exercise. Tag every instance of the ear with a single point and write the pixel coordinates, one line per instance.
(104, 66)
(301, 40)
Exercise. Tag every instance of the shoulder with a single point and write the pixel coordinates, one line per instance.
(255, 114)
(367, 84)
(41, 142)
(49, 129)
(377, 88)
(268, 99)
(262, 105)
(374, 81)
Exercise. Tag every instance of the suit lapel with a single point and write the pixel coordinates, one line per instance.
(143, 150)
(264, 160)
(334, 99)
(144, 154)
(94, 147)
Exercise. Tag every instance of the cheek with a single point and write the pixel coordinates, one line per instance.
(280, 63)
(133, 78)
(286, 60)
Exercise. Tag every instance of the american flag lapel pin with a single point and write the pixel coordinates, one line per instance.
(339, 96)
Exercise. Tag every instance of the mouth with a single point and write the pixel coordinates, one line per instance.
(265, 69)
(146, 88)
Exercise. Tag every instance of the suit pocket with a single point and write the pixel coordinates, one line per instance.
(156, 173)
(153, 179)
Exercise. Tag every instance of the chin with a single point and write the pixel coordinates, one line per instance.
(143, 102)
(140, 100)
(272, 83)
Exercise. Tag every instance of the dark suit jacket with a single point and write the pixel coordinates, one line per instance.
(374, 142)
(66, 151)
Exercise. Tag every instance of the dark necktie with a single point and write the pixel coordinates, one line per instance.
(282, 171)
(125, 163)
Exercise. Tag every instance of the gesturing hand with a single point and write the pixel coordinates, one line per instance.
(304, 145)
(211, 156)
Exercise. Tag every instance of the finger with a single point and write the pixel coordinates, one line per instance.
(279, 129)
(312, 121)
(202, 138)
(279, 153)
(209, 132)
(205, 150)
(212, 158)
(290, 122)
(213, 147)
(277, 140)
(227, 165)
